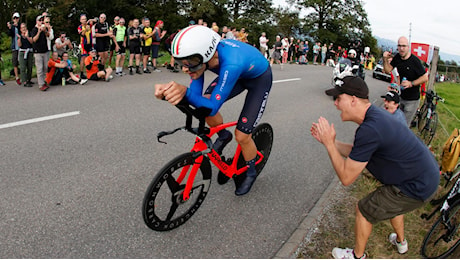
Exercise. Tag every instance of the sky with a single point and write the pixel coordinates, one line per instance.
(433, 22)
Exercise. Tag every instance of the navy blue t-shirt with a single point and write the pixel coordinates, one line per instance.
(395, 155)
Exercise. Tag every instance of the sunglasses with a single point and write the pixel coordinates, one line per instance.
(192, 63)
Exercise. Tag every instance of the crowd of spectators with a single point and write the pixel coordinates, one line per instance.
(100, 42)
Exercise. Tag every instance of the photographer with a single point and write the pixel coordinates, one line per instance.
(95, 69)
(62, 44)
(39, 36)
(13, 32)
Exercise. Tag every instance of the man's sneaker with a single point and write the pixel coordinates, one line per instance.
(27, 85)
(222, 141)
(147, 71)
(156, 70)
(18, 81)
(83, 81)
(131, 72)
(402, 247)
(138, 71)
(344, 253)
(30, 82)
(2, 83)
(44, 88)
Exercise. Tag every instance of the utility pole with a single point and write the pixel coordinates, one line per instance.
(410, 33)
(433, 68)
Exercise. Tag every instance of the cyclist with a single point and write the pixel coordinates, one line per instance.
(240, 67)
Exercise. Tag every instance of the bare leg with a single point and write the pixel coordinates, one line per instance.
(398, 225)
(363, 229)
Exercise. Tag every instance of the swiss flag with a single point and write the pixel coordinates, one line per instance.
(421, 50)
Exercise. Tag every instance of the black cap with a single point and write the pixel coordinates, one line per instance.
(350, 85)
(391, 96)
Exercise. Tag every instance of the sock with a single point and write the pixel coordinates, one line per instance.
(223, 132)
(252, 167)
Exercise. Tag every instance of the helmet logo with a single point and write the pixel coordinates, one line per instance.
(211, 48)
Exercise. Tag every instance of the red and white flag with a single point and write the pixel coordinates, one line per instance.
(422, 51)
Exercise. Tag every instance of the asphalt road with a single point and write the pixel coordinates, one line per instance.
(72, 187)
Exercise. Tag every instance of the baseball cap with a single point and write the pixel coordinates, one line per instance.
(350, 85)
(391, 96)
(92, 50)
(39, 18)
(16, 15)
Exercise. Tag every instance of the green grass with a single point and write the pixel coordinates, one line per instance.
(336, 228)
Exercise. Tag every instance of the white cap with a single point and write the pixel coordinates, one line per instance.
(16, 15)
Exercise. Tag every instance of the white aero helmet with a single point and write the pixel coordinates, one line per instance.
(196, 41)
(352, 52)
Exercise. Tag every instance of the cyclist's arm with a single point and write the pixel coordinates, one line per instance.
(228, 77)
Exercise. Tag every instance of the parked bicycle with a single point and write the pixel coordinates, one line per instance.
(426, 117)
(76, 50)
(443, 237)
(180, 187)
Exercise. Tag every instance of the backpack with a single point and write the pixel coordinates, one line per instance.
(451, 152)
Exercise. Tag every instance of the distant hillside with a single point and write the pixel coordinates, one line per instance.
(386, 44)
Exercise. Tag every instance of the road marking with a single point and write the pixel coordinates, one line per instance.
(39, 119)
(286, 80)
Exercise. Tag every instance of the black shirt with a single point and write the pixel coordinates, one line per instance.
(135, 32)
(102, 28)
(411, 69)
(40, 46)
(25, 44)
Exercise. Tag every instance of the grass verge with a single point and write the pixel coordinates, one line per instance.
(336, 226)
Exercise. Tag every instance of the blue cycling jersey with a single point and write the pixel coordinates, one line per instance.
(237, 60)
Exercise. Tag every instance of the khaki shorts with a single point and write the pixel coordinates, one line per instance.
(386, 202)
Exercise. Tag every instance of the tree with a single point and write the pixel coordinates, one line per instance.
(337, 21)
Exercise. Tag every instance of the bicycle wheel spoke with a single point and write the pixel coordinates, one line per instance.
(172, 210)
(172, 184)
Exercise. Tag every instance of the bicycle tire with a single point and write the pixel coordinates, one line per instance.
(417, 117)
(163, 207)
(429, 130)
(263, 138)
(437, 242)
(422, 118)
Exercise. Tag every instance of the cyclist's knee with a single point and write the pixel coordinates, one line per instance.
(242, 138)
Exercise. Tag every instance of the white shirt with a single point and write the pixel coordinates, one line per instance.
(263, 42)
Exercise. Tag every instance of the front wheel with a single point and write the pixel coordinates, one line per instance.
(164, 207)
(443, 237)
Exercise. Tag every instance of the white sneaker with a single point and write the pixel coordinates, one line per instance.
(83, 81)
(344, 253)
(402, 247)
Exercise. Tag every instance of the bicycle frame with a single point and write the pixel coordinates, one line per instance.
(201, 149)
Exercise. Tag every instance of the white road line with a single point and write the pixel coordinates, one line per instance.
(286, 80)
(39, 119)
